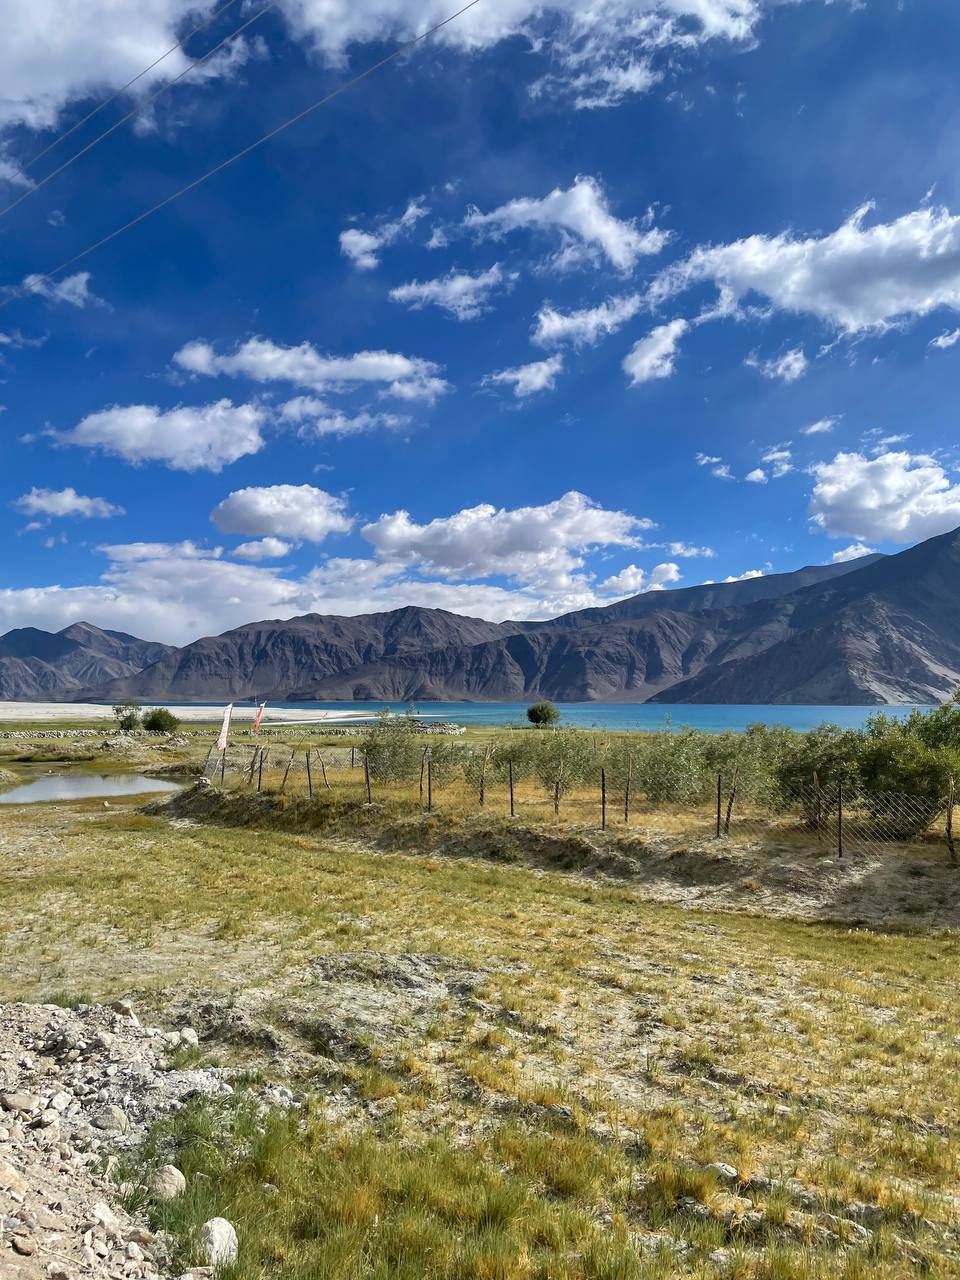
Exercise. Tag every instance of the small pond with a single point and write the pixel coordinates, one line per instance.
(83, 786)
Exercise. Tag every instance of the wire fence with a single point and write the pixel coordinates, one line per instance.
(842, 818)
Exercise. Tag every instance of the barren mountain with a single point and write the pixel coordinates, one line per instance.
(38, 664)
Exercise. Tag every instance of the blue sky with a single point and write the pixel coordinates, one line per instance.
(553, 310)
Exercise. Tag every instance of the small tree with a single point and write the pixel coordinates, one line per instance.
(160, 720)
(392, 748)
(543, 713)
(128, 715)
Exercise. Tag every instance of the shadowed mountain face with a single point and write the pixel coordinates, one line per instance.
(40, 665)
(880, 629)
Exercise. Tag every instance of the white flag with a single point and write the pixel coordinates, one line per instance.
(225, 731)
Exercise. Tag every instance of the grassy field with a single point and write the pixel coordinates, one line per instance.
(506, 1072)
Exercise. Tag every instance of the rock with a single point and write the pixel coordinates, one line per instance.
(10, 1180)
(20, 1102)
(725, 1172)
(60, 1101)
(189, 1037)
(24, 1246)
(218, 1242)
(167, 1183)
(111, 1119)
(106, 1218)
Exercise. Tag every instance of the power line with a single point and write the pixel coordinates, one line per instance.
(20, 291)
(141, 106)
(181, 44)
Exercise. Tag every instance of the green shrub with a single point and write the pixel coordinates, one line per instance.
(128, 715)
(160, 720)
(543, 713)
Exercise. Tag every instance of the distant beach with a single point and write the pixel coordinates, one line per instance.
(46, 711)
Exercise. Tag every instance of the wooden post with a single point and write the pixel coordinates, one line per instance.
(423, 769)
(626, 794)
(323, 770)
(223, 766)
(286, 773)
(429, 784)
(309, 776)
(951, 800)
(510, 772)
(366, 775)
(483, 777)
(603, 799)
(733, 796)
(260, 773)
(719, 800)
(253, 765)
(556, 796)
(839, 817)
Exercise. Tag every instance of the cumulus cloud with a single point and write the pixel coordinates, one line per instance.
(315, 418)
(786, 368)
(632, 581)
(894, 497)
(363, 247)
(73, 290)
(263, 361)
(188, 438)
(527, 379)
(581, 217)
(858, 278)
(66, 502)
(262, 549)
(541, 546)
(654, 356)
(756, 476)
(745, 576)
(296, 511)
(587, 326)
(463, 295)
(822, 427)
(853, 552)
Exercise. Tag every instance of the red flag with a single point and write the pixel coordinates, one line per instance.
(256, 719)
(225, 731)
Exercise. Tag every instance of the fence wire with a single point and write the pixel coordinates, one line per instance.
(841, 817)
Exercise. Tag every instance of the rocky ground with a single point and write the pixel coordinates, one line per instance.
(77, 1089)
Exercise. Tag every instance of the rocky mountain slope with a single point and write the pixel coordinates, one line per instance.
(879, 629)
(38, 664)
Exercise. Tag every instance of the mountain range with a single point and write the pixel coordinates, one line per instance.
(874, 630)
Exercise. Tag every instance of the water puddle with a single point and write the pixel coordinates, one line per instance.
(73, 786)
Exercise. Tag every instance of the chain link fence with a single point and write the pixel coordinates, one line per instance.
(840, 817)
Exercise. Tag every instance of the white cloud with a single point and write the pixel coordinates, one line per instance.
(73, 290)
(706, 459)
(587, 326)
(363, 247)
(316, 418)
(949, 338)
(895, 497)
(722, 472)
(66, 502)
(632, 580)
(463, 295)
(779, 459)
(654, 356)
(855, 279)
(527, 379)
(686, 552)
(581, 216)
(131, 552)
(262, 549)
(821, 427)
(853, 552)
(756, 476)
(188, 438)
(538, 546)
(262, 361)
(284, 511)
(745, 576)
(787, 368)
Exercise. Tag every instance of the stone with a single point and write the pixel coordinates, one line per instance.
(104, 1215)
(60, 1101)
(218, 1242)
(10, 1180)
(24, 1246)
(189, 1037)
(111, 1119)
(725, 1172)
(19, 1102)
(167, 1183)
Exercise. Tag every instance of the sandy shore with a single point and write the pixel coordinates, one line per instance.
(73, 711)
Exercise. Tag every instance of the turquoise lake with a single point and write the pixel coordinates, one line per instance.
(612, 715)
